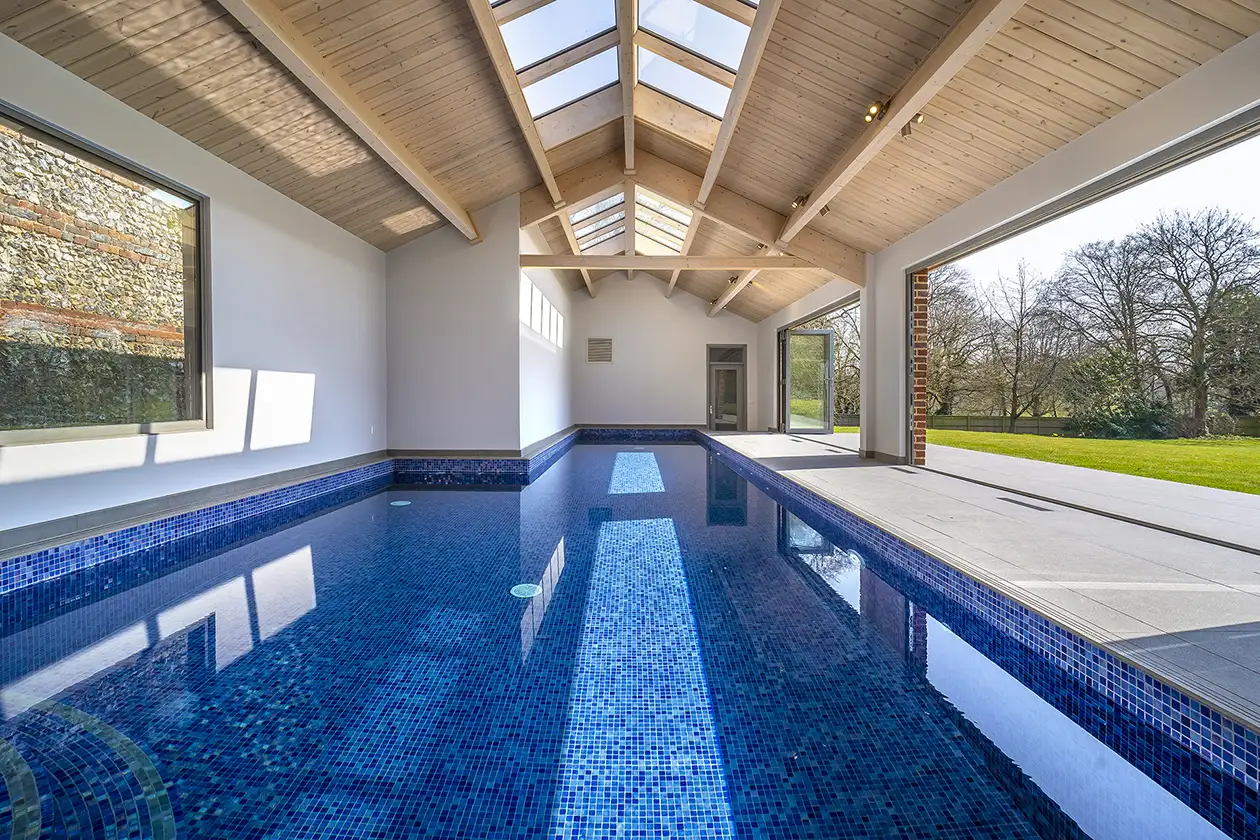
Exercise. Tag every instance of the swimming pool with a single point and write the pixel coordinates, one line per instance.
(640, 643)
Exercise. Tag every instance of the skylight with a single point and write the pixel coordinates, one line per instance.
(661, 222)
(572, 83)
(556, 27)
(579, 216)
(603, 237)
(584, 232)
(664, 206)
(688, 24)
(682, 84)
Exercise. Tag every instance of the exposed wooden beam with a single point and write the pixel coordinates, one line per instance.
(573, 246)
(977, 25)
(686, 247)
(736, 286)
(292, 49)
(627, 25)
(685, 58)
(632, 225)
(488, 26)
(568, 58)
(734, 9)
(622, 262)
(513, 9)
(758, 37)
(602, 177)
(585, 184)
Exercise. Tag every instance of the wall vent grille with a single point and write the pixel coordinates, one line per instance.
(599, 350)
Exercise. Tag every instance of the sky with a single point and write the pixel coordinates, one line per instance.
(1229, 179)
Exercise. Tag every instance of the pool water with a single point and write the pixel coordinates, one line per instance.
(640, 644)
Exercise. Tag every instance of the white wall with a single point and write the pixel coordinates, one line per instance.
(1210, 93)
(298, 327)
(453, 344)
(659, 370)
(546, 370)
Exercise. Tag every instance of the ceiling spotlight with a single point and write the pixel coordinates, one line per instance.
(918, 118)
(798, 201)
(731, 282)
(876, 112)
(826, 208)
(906, 129)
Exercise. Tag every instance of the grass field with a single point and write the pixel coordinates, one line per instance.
(1226, 463)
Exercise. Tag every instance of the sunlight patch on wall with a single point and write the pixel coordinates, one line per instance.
(284, 409)
(231, 416)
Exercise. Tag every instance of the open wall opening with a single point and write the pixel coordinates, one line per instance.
(1119, 329)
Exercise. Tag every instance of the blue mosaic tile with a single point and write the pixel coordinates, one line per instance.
(1226, 744)
(669, 678)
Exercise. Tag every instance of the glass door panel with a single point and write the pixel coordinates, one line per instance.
(810, 381)
(724, 398)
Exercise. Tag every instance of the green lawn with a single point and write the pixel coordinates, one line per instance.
(1227, 463)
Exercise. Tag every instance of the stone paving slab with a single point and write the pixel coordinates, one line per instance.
(1184, 609)
(1222, 516)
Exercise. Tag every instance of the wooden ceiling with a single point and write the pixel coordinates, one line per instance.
(429, 80)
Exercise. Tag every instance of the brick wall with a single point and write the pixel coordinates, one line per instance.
(918, 362)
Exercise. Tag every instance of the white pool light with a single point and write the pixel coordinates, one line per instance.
(400, 503)
(526, 590)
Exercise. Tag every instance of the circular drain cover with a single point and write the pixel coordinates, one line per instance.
(400, 503)
(526, 590)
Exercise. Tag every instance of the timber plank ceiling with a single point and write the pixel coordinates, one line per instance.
(427, 75)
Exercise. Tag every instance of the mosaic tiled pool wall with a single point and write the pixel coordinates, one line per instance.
(31, 584)
(42, 566)
(1222, 742)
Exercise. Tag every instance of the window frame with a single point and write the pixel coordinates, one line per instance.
(200, 349)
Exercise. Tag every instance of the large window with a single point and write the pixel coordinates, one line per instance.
(100, 293)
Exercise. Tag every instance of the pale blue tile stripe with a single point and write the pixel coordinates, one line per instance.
(641, 756)
(635, 472)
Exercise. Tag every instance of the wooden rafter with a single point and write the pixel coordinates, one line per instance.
(512, 9)
(980, 23)
(568, 58)
(735, 9)
(686, 247)
(684, 58)
(602, 177)
(292, 49)
(627, 25)
(758, 37)
(623, 262)
(576, 249)
(488, 26)
(632, 224)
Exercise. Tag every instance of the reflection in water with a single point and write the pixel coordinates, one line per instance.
(536, 609)
(73, 669)
(1096, 787)
(727, 494)
(635, 472)
(641, 749)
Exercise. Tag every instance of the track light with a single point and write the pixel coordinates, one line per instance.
(918, 118)
(906, 129)
(798, 201)
(826, 208)
(876, 111)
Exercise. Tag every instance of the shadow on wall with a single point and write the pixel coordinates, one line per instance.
(252, 411)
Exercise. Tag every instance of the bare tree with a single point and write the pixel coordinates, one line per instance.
(1200, 261)
(1026, 343)
(1107, 297)
(956, 336)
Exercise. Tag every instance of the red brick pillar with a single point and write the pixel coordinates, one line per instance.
(918, 362)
